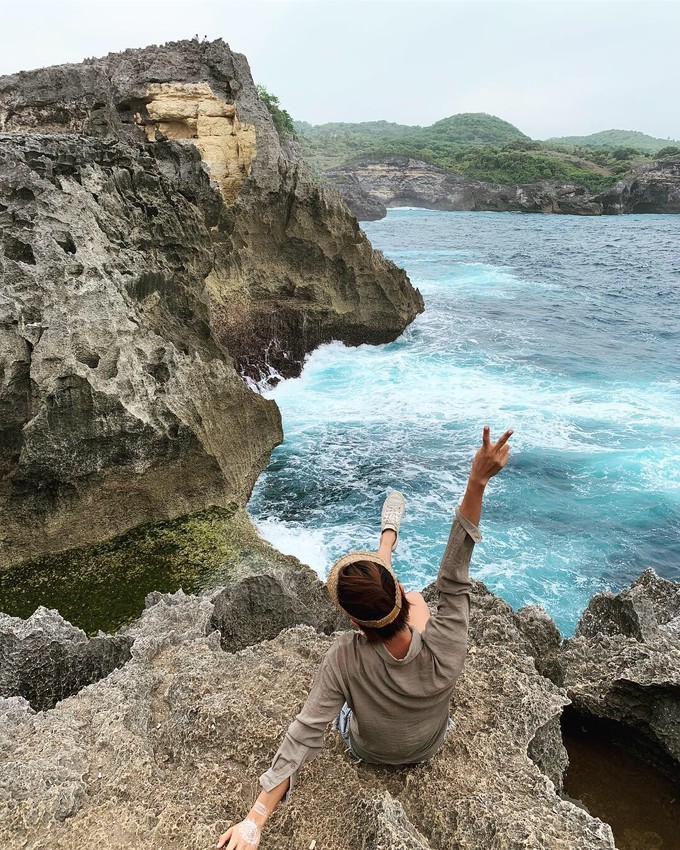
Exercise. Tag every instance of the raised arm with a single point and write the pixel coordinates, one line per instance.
(446, 631)
(489, 460)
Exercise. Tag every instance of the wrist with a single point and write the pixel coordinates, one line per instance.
(258, 814)
(477, 481)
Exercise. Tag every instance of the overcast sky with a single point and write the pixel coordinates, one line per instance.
(552, 67)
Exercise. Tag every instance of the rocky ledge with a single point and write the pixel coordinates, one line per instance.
(157, 238)
(166, 748)
(370, 186)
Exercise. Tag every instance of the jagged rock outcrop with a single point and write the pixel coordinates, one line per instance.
(156, 234)
(165, 750)
(45, 659)
(367, 185)
(289, 596)
(623, 665)
(370, 186)
(651, 188)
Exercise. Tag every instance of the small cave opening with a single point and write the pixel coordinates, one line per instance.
(19, 251)
(623, 781)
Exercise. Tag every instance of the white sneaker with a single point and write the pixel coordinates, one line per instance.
(393, 513)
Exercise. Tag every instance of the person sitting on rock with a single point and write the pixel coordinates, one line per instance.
(388, 685)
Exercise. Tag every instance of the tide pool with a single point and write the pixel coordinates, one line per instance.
(565, 329)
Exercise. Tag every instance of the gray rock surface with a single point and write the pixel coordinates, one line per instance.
(288, 597)
(165, 751)
(156, 234)
(370, 186)
(623, 664)
(651, 188)
(45, 659)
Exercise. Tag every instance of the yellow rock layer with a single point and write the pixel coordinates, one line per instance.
(193, 112)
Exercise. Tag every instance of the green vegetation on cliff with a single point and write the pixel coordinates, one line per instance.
(481, 147)
(104, 586)
(616, 139)
(280, 117)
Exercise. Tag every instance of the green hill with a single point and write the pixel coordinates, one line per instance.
(475, 128)
(617, 139)
(482, 147)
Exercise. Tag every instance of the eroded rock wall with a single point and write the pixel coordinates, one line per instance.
(623, 665)
(369, 187)
(398, 181)
(291, 268)
(118, 405)
(157, 239)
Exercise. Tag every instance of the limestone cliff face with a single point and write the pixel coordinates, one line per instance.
(370, 186)
(155, 235)
(290, 268)
(402, 182)
(651, 188)
(117, 403)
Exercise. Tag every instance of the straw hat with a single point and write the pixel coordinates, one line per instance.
(353, 558)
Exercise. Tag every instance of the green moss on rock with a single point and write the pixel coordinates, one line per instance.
(104, 586)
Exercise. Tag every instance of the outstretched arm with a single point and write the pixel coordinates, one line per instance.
(489, 459)
(446, 631)
(246, 835)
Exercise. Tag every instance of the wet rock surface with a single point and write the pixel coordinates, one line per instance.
(166, 749)
(158, 238)
(370, 186)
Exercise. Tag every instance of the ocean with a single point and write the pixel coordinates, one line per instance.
(567, 330)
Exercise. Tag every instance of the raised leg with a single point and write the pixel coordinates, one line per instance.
(387, 539)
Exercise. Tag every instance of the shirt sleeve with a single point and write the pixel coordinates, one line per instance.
(447, 629)
(304, 739)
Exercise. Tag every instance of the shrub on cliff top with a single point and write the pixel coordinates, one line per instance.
(281, 118)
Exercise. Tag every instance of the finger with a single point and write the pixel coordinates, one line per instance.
(504, 439)
(222, 840)
(486, 436)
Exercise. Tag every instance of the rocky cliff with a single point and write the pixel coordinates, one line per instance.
(157, 238)
(651, 188)
(369, 187)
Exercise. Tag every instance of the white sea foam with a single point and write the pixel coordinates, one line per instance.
(596, 432)
(306, 544)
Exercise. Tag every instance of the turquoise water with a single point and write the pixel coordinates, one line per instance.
(565, 329)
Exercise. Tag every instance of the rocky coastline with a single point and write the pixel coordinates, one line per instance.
(161, 248)
(154, 736)
(369, 187)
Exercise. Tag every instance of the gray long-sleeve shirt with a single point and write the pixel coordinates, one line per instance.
(400, 707)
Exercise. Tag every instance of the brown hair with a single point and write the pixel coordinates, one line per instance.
(366, 591)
